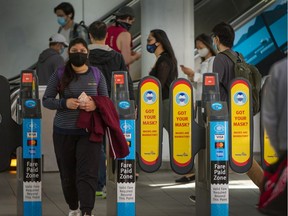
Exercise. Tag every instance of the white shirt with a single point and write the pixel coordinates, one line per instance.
(206, 67)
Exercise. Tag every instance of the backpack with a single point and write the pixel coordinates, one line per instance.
(249, 72)
(96, 73)
(75, 32)
(82, 23)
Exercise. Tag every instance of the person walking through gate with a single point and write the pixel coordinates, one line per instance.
(204, 46)
(107, 60)
(223, 38)
(77, 156)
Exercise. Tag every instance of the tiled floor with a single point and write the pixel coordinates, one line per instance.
(156, 195)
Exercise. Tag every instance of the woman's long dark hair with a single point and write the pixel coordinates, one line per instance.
(69, 74)
(207, 41)
(162, 38)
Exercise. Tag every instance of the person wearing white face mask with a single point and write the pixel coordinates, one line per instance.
(204, 46)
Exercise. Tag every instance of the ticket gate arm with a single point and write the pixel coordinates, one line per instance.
(241, 125)
(149, 124)
(268, 154)
(181, 125)
(10, 131)
(199, 138)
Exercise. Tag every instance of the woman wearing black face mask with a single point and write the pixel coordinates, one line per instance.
(77, 156)
(165, 68)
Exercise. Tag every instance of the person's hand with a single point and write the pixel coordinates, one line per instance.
(136, 55)
(72, 103)
(188, 71)
(88, 106)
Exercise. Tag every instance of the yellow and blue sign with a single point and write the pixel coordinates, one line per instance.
(149, 124)
(269, 155)
(181, 155)
(241, 125)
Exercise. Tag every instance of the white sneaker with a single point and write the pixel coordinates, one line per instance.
(74, 213)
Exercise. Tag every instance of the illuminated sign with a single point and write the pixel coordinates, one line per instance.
(119, 78)
(209, 81)
(27, 77)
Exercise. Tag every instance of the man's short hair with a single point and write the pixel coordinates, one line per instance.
(98, 30)
(67, 8)
(124, 13)
(225, 33)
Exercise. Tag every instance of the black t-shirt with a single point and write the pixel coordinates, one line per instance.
(166, 72)
(224, 66)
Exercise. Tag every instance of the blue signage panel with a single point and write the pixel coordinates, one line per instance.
(219, 167)
(126, 173)
(32, 191)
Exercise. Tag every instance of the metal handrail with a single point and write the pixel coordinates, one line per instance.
(251, 13)
(110, 13)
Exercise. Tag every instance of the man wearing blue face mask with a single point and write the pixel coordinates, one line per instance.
(50, 59)
(68, 28)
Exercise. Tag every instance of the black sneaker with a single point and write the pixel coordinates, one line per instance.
(192, 198)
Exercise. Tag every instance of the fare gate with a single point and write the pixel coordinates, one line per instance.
(29, 197)
(121, 173)
(217, 138)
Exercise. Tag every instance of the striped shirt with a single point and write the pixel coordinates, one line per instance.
(65, 119)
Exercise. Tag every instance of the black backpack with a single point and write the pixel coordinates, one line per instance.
(75, 32)
(249, 72)
(82, 23)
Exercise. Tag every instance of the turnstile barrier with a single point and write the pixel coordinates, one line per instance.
(121, 173)
(29, 177)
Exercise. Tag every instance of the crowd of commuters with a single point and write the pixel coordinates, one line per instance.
(83, 78)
